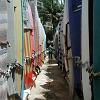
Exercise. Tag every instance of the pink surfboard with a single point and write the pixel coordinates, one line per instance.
(32, 28)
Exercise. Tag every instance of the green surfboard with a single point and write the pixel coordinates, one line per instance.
(96, 48)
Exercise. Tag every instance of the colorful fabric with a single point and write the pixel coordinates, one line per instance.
(29, 82)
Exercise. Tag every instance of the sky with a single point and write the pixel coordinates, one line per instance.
(60, 1)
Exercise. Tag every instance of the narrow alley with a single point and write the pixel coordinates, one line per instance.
(50, 84)
(49, 49)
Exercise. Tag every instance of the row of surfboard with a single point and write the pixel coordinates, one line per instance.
(77, 42)
(23, 40)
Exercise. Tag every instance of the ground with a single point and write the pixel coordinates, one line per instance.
(50, 84)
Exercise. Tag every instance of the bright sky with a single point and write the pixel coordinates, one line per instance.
(60, 1)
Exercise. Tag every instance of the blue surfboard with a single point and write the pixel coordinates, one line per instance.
(75, 33)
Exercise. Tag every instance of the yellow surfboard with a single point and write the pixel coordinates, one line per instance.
(18, 27)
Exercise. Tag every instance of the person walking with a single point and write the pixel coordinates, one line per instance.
(50, 52)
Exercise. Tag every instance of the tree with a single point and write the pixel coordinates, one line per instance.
(50, 12)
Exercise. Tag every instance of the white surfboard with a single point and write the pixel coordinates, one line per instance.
(11, 33)
(11, 55)
(3, 34)
(85, 51)
(68, 53)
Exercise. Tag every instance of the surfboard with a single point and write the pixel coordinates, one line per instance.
(11, 53)
(3, 47)
(91, 39)
(11, 34)
(96, 48)
(69, 62)
(41, 40)
(85, 51)
(60, 48)
(27, 56)
(3, 34)
(75, 33)
(18, 28)
(68, 52)
(62, 37)
(44, 42)
(27, 43)
(28, 47)
(65, 20)
(32, 29)
(36, 36)
(56, 44)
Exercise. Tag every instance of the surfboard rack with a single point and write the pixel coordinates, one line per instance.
(92, 74)
(5, 44)
(19, 65)
(4, 73)
(8, 72)
(28, 60)
(15, 64)
(11, 68)
(76, 59)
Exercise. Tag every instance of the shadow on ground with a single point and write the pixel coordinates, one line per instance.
(57, 88)
(51, 84)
